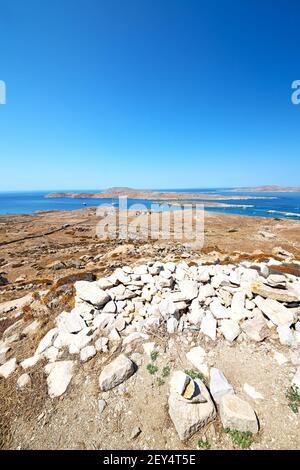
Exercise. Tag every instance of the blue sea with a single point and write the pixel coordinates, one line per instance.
(279, 205)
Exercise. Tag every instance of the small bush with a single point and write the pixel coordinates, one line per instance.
(294, 398)
(166, 371)
(240, 438)
(154, 355)
(195, 375)
(205, 445)
(152, 369)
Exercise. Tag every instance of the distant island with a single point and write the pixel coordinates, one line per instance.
(268, 189)
(131, 193)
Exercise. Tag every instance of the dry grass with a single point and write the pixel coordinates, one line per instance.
(18, 405)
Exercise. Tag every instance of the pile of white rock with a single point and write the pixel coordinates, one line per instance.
(229, 302)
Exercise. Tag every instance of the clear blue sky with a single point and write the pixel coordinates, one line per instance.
(149, 93)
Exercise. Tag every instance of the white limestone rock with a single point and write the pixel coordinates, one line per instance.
(209, 326)
(47, 340)
(59, 377)
(70, 322)
(218, 310)
(8, 368)
(237, 414)
(116, 372)
(188, 418)
(230, 329)
(219, 385)
(23, 381)
(87, 353)
(91, 292)
(251, 392)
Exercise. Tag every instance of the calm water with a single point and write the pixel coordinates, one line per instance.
(281, 205)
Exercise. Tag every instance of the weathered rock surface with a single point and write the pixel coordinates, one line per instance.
(116, 372)
(237, 414)
(188, 418)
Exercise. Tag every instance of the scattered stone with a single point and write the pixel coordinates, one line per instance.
(218, 310)
(101, 344)
(252, 392)
(101, 405)
(116, 372)
(23, 381)
(135, 432)
(196, 357)
(237, 414)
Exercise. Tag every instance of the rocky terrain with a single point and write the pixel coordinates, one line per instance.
(157, 355)
(148, 345)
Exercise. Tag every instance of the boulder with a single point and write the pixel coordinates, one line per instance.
(286, 336)
(119, 370)
(189, 289)
(196, 356)
(30, 361)
(189, 418)
(237, 414)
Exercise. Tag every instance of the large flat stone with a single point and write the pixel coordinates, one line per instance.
(272, 293)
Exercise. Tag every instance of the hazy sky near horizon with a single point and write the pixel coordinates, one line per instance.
(149, 93)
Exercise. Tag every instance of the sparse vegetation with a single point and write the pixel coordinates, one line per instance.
(240, 438)
(195, 375)
(152, 369)
(160, 381)
(154, 355)
(166, 371)
(202, 444)
(293, 396)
